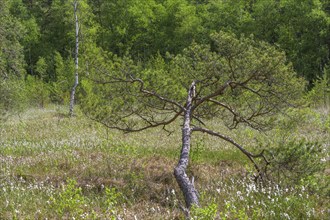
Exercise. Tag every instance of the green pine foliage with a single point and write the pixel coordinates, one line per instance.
(115, 93)
(320, 94)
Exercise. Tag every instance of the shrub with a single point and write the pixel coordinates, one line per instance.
(112, 197)
(37, 92)
(296, 162)
(12, 96)
(205, 213)
(320, 94)
(70, 201)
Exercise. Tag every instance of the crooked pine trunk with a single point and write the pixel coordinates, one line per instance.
(187, 187)
(76, 80)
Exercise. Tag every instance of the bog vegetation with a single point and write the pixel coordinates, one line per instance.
(250, 76)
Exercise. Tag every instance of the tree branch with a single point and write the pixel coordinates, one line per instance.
(142, 89)
(247, 153)
(128, 129)
(152, 93)
(219, 91)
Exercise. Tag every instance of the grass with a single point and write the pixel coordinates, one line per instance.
(56, 167)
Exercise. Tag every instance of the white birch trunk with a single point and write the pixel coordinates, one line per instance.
(76, 79)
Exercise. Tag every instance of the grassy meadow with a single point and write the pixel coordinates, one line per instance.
(56, 167)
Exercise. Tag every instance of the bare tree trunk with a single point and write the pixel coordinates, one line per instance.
(76, 80)
(187, 187)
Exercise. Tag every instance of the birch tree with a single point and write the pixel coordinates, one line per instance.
(76, 76)
(239, 82)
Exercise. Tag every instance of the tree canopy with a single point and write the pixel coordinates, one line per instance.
(238, 80)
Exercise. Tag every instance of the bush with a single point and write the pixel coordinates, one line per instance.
(320, 94)
(12, 97)
(37, 92)
(112, 197)
(296, 162)
(208, 212)
(70, 201)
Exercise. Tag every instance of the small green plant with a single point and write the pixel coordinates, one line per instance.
(327, 124)
(70, 201)
(233, 212)
(207, 213)
(197, 150)
(112, 197)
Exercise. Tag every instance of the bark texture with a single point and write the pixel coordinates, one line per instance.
(76, 78)
(186, 186)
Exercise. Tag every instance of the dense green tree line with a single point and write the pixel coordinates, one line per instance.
(37, 36)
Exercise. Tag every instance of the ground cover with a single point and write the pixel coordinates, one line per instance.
(56, 167)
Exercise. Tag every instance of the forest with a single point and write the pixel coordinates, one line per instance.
(164, 109)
